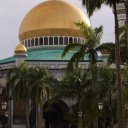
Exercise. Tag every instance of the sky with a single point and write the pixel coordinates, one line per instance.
(12, 13)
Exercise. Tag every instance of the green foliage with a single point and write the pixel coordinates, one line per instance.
(124, 72)
(111, 2)
(88, 87)
(72, 117)
(39, 82)
(92, 40)
(107, 83)
(29, 83)
(92, 36)
(110, 47)
(92, 5)
(17, 81)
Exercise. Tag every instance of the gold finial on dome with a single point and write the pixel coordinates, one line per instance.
(20, 48)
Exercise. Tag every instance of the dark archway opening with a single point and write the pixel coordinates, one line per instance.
(54, 112)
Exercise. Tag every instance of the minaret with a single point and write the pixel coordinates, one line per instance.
(121, 14)
(20, 54)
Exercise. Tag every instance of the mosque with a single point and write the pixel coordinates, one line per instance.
(44, 32)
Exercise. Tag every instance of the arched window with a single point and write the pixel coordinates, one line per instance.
(65, 40)
(61, 41)
(25, 43)
(70, 40)
(32, 42)
(45, 40)
(29, 43)
(50, 40)
(82, 40)
(55, 40)
(79, 40)
(36, 42)
(41, 41)
(75, 40)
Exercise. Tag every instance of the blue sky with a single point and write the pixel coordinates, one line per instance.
(12, 13)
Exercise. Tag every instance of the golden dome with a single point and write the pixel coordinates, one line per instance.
(53, 17)
(20, 48)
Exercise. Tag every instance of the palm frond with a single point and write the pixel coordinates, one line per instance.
(92, 5)
(71, 46)
(85, 29)
(73, 62)
(106, 46)
(92, 55)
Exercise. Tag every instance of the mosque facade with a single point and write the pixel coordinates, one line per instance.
(44, 32)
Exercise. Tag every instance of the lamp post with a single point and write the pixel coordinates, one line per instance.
(4, 106)
(78, 82)
(9, 103)
(111, 119)
(79, 119)
(100, 107)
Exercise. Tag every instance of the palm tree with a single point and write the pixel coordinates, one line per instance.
(92, 5)
(77, 84)
(126, 6)
(92, 40)
(29, 83)
(125, 90)
(112, 3)
(110, 47)
(17, 82)
(40, 79)
(107, 88)
(126, 24)
(40, 85)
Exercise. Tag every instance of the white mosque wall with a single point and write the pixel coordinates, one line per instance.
(7, 65)
(56, 68)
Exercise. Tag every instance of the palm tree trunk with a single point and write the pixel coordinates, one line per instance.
(110, 109)
(120, 113)
(10, 109)
(38, 117)
(27, 113)
(79, 114)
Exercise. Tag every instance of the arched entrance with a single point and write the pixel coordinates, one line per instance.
(54, 112)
